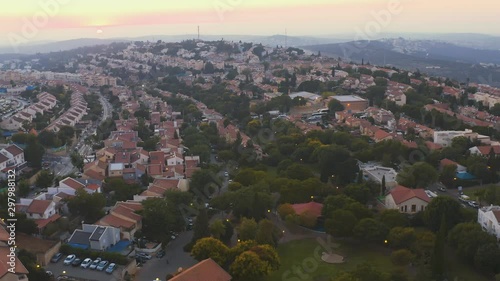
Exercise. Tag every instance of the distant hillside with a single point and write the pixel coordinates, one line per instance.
(58, 46)
(432, 57)
(84, 42)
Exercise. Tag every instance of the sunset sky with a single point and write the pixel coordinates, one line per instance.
(69, 19)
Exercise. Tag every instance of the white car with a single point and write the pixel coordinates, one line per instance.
(86, 263)
(69, 259)
(95, 263)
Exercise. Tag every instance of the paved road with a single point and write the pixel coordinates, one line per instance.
(106, 107)
(59, 269)
(158, 268)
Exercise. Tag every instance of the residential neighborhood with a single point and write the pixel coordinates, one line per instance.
(221, 160)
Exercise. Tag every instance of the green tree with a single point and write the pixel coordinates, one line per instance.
(466, 238)
(201, 228)
(247, 229)
(402, 237)
(217, 229)
(442, 206)
(370, 230)
(44, 179)
(335, 105)
(267, 233)
(487, 258)
(438, 255)
(401, 257)
(418, 175)
(393, 218)
(248, 267)
(285, 209)
(90, 206)
(448, 174)
(212, 248)
(341, 223)
(24, 188)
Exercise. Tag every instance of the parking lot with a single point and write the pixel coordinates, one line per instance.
(59, 269)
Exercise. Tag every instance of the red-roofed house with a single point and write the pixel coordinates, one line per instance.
(381, 135)
(484, 150)
(206, 270)
(407, 200)
(20, 272)
(447, 162)
(124, 216)
(42, 211)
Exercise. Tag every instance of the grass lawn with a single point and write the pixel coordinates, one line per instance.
(301, 253)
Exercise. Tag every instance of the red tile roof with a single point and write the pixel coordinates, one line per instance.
(115, 221)
(206, 270)
(447, 162)
(38, 206)
(14, 150)
(73, 183)
(485, 149)
(41, 223)
(433, 146)
(402, 194)
(313, 208)
(4, 266)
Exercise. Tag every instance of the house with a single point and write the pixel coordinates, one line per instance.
(12, 157)
(42, 212)
(90, 186)
(489, 219)
(485, 150)
(123, 216)
(445, 138)
(447, 162)
(377, 173)
(95, 237)
(406, 200)
(20, 273)
(116, 169)
(206, 270)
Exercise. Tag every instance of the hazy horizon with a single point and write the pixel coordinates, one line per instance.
(31, 22)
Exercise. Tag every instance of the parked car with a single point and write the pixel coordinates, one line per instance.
(95, 263)
(86, 263)
(57, 257)
(69, 259)
(76, 262)
(102, 265)
(143, 255)
(473, 204)
(160, 254)
(111, 268)
(442, 189)
(49, 273)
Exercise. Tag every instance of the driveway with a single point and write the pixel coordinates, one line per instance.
(176, 257)
(77, 272)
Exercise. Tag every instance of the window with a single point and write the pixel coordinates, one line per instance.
(406, 208)
(413, 208)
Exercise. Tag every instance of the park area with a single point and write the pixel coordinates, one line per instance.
(301, 260)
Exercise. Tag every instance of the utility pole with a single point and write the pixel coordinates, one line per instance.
(286, 39)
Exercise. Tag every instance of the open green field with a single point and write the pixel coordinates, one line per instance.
(300, 260)
(302, 254)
